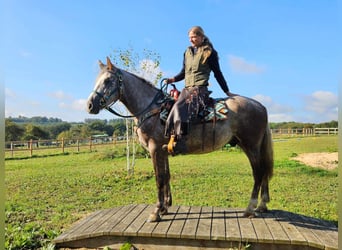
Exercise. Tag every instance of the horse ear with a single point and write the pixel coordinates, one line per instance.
(109, 64)
(101, 64)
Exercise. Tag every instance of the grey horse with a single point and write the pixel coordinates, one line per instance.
(246, 125)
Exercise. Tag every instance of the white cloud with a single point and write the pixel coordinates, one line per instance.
(276, 112)
(321, 102)
(241, 65)
(272, 106)
(60, 95)
(79, 104)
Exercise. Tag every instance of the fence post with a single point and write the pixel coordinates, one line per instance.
(31, 148)
(12, 149)
(63, 145)
(78, 145)
(90, 144)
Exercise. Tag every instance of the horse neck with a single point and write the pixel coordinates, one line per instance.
(137, 94)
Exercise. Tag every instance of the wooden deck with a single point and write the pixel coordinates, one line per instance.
(198, 228)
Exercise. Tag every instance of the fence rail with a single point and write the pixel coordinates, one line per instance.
(305, 131)
(15, 147)
(27, 148)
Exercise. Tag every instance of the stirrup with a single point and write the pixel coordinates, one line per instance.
(171, 144)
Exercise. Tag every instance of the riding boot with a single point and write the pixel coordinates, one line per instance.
(180, 146)
(176, 145)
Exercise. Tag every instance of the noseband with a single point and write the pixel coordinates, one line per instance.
(105, 98)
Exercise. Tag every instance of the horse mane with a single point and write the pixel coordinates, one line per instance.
(142, 79)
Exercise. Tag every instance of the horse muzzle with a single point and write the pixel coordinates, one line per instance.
(92, 108)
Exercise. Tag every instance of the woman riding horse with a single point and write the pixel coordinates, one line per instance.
(199, 60)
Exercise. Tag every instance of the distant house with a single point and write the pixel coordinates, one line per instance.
(101, 138)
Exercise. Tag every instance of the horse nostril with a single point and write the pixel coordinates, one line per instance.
(90, 106)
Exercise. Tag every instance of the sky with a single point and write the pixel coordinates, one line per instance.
(281, 53)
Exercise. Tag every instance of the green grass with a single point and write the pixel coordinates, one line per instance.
(45, 195)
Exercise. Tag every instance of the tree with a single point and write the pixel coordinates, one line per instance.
(13, 132)
(145, 64)
(34, 132)
(56, 129)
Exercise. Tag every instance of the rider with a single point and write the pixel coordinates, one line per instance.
(199, 60)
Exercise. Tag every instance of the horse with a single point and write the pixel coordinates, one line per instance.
(246, 125)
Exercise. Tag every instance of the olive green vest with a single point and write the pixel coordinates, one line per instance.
(196, 72)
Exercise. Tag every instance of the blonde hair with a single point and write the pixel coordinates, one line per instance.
(207, 46)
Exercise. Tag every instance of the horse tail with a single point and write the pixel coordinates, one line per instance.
(266, 159)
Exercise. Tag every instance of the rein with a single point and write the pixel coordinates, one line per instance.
(145, 113)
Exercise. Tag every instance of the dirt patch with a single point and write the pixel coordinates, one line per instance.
(328, 161)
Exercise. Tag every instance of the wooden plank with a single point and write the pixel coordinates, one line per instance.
(296, 238)
(218, 227)
(277, 231)
(212, 227)
(87, 229)
(112, 221)
(119, 228)
(191, 222)
(177, 225)
(132, 230)
(76, 226)
(317, 232)
(147, 228)
(327, 238)
(262, 232)
(246, 228)
(162, 228)
(232, 225)
(204, 225)
(96, 222)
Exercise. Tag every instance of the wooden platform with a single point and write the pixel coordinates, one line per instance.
(197, 228)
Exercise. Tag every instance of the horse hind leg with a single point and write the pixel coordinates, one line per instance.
(266, 163)
(254, 159)
(265, 196)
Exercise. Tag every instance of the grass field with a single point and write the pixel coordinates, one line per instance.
(45, 195)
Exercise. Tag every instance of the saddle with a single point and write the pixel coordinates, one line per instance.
(201, 109)
(213, 111)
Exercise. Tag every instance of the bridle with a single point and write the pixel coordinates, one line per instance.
(145, 113)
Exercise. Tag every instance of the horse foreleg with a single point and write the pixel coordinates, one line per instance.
(162, 174)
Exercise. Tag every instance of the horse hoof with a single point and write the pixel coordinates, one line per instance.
(249, 214)
(261, 209)
(153, 218)
(163, 211)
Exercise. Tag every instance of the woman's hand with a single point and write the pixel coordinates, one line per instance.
(170, 80)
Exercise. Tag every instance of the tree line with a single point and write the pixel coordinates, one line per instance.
(35, 129)
(43, 128)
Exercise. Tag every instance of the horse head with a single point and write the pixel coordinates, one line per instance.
(107, 88)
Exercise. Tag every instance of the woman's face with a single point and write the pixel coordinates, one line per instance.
(195, 40)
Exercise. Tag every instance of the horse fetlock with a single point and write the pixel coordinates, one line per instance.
(163, 211)
(154, 218)
(262, 208)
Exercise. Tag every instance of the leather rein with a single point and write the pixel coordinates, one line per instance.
(145, 113)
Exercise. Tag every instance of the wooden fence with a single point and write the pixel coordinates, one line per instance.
(305, 131)
(27, 148)
(15, 148)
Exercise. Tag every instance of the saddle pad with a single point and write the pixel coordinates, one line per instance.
(219, 111)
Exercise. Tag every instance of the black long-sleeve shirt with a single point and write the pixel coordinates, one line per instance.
(214, 66)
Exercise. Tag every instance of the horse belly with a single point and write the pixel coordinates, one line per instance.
(208, 138)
